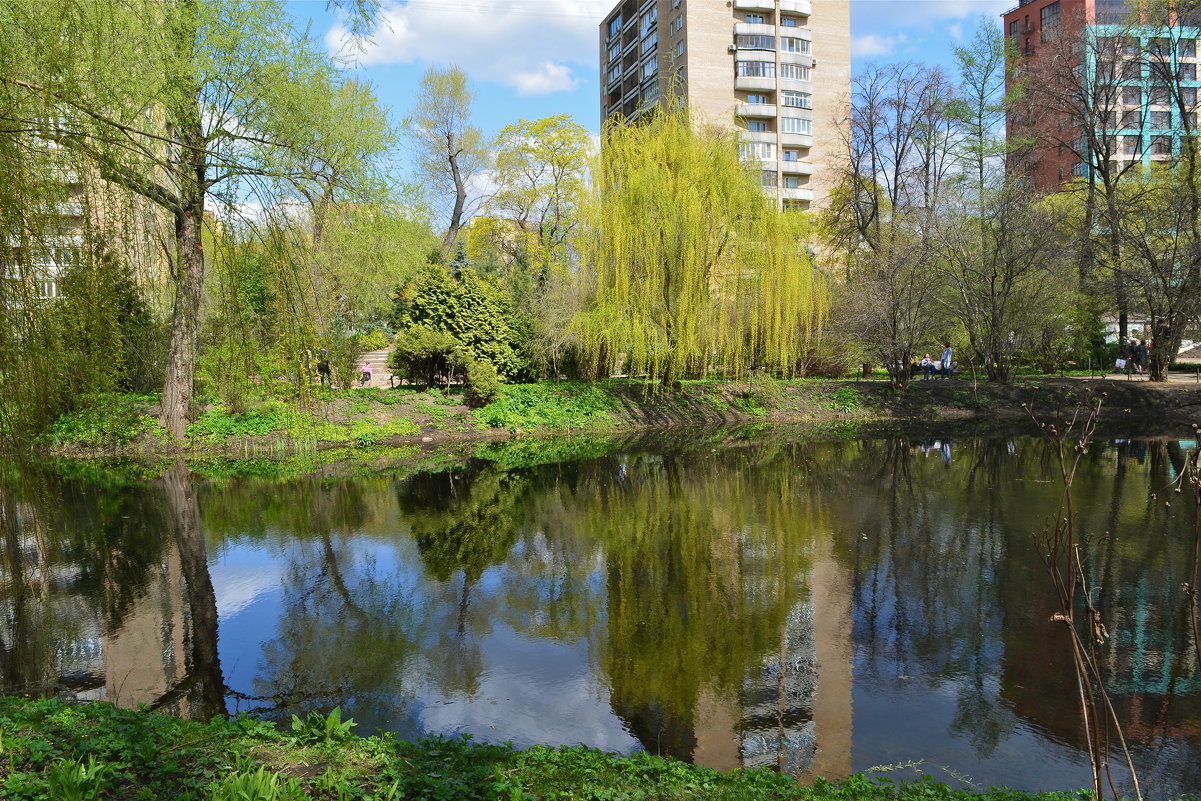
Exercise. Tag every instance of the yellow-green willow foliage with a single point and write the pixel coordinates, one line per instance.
(690, 267)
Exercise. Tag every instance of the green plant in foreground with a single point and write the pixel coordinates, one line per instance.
(846, 400)
(257, 785)
(75, 780)
(317, 728)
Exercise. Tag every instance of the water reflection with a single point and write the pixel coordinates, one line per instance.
(816, 608)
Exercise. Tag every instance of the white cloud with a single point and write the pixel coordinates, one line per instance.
(873, 45)
(961, 9)
(549, 77)
(530, 45)
(956, 31)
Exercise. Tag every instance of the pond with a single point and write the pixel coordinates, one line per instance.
(728, 598)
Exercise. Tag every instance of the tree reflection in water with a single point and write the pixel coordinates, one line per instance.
(751, 601)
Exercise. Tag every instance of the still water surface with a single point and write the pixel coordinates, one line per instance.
(818, 608)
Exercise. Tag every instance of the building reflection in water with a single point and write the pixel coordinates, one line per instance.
(788, 605)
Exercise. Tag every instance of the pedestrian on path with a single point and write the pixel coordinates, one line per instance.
(365, 374)
(947, 358)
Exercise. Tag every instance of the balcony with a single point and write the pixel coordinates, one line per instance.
(758, 136)
(804, 7)
(803, 59)
(70, 208)
(754, 29)
(796, 140)
(755, 84)
(756, 110)
(754, 5)
(796, 167)
(800, 193)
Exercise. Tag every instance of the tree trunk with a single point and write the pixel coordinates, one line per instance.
(456, 214)
(179, 386)
(203, 685)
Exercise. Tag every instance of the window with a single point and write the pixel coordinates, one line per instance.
(755, 69)
(680, 49)
(757, 151)
(791, 155)
(1132, 70)
(796, 125)
(675, 3)
(756, 100)
(649, 19)
(792, 45)
(677, 24)
(1161, 145)
(788, 22)
(1132, 145)
(650, 93)
(1160, 47)
(1014, 32)
(1048, 20)
(795, 205)
(650, 67)
(1078, 169)
(1159, 95)
(767, 177)
(1109, 120)
(755, 42)
(1113, 12)
(1188, 72)
(1161, 120)
(1132, 119)
(615, 52)
(47, 288)
(649, 43)
(756, 126)
(1190, 121)
(614, 73)
(792, 182)
(796, 99)
(1132, 95)
(1131, 47)
(794, 72)
(1188, 96)
(756, 19)
(1187, 48)
(614, 26)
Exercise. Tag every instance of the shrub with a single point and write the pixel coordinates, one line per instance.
(374, 340)
(483, 384)
(422, 355)
(476, 311)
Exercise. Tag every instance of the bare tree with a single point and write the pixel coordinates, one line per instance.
(450, 152)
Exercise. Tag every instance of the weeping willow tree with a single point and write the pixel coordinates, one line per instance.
(691, 269)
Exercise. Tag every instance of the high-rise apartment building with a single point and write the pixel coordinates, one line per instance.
(1132, 82)
(779, 70)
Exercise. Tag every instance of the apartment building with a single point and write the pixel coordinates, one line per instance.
(1140, 77)
(778, 70)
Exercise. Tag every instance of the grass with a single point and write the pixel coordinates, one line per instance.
(52, 750)
(557, 407)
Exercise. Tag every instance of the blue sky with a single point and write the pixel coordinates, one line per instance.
(534, 58)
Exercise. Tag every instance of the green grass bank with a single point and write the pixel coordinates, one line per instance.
(97, 752)
(323, 419)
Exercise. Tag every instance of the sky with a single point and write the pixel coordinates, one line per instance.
(528, 59)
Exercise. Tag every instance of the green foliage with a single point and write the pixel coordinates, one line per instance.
(106, 420)
(317, 728)
(76, 780)
(53, 750)
(257, 785)
(530, 452)
(681, 280)
(846, 400)
(556, 407)
(483, 385)
(422, 355)
(476, 311)
(280, 419)
(374, 340)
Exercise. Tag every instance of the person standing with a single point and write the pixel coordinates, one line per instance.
(945, 363)
(1140, 356)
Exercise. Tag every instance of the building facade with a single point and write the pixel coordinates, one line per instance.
(1129, 84)
(778, 70)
